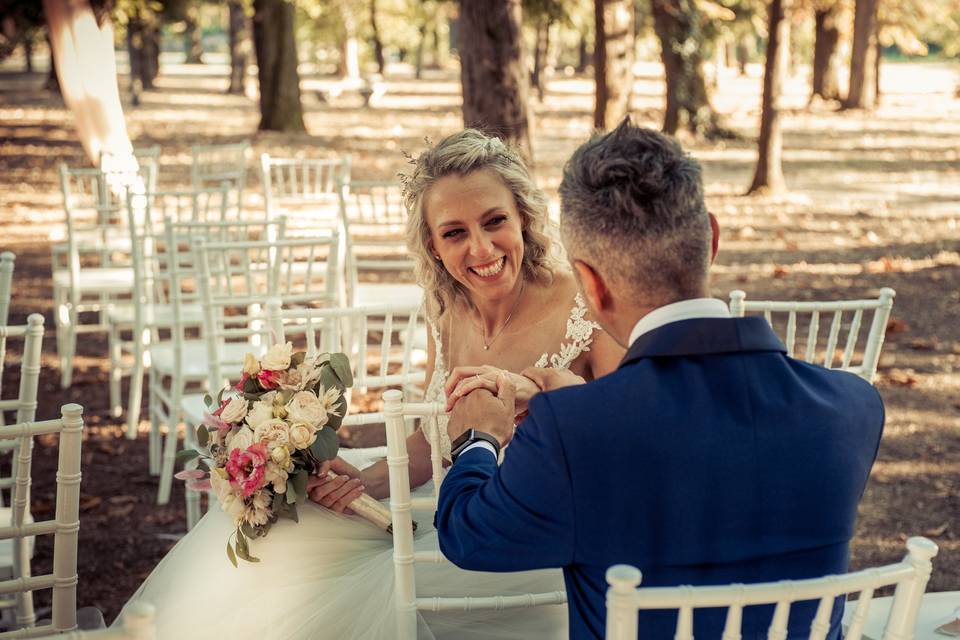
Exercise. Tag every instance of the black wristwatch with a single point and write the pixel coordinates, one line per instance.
(467, 438)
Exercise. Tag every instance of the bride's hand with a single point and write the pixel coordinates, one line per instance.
(337, 492)
(463, 380)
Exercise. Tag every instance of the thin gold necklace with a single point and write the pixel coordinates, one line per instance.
(516, 303)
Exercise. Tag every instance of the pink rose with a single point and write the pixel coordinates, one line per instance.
(269, 379)
(212, 421)
(247, 469)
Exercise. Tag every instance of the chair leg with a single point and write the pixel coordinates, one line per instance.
(66, 317)
(154, 410)
(166, 466)
(136, 388)
(116, 369)
(192, 497)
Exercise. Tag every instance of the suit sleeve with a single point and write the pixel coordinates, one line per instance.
(516, 517)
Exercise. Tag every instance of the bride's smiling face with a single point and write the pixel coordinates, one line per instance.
(475, 230)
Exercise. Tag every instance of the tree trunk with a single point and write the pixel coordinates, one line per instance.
(583, 54)
(150, 52)
(742, 55)
(28, 54)
(239, 46)
(421, 44)
(493, 72)
(53, 84)
(612, 61)
(540, 56)
(768, 177)
(678, 27)
(826, 84)
(276, 49)
(192, 46)
(876, 65)
(349, 65)
(377, 44)
(862, 93)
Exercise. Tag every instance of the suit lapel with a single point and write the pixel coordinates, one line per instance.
(703, 336)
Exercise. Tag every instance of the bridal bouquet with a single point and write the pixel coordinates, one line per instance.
(263, 442)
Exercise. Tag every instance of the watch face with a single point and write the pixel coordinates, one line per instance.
(462, 439)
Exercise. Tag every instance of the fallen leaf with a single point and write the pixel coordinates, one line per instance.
(936, 532)
(895, 325)
(89, 503)
(123, 499)
(780, 271)
(120, 512)
(899, 377)
(924, 344)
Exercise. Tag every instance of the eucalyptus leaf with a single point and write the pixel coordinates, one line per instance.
(251, 396)
(230, 554)
(250, 385)
(293, 513)
(300, 484)
(249, 531)
(208, 400)
(329, 379)
(327, 444)
(278, 503)
(203, 436)
(187, 455)
(297, 359)
(334, 421)
(341, 365)
(291, 493)
(285, 513)
(243, 550)
(321, 358)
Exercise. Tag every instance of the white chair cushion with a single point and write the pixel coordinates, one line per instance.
(6, 546)
(367, 293)
(97, 280)
(160, 315)
(195, 358)
(193, 408)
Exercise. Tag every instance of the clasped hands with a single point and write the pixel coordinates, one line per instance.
(494, 400)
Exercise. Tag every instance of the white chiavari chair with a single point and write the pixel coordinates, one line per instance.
(178, 356)
(846, 318)
(401, 505)
(137, 624)
(6, 283)
(15, 553)
(132, 323)
(235, 281)
(64, 527)
(214, 165)
(378, 264)
(625, 600)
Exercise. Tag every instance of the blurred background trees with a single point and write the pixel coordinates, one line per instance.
(509, 51)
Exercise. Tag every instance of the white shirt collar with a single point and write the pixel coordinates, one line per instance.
(683, 310)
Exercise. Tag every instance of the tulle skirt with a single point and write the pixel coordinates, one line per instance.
(327, 577)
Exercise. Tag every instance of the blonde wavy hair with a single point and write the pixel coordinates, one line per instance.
(462, 154)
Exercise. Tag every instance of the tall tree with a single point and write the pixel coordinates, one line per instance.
(240, 46)
(768, 177)
(375, 37)
(612, 61)
(862, 93)
(679, 27)
(826, 83)
(192, 46)
(493, 72)
(276, 48)
(143, 46)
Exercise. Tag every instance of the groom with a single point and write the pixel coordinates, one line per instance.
(708, 457)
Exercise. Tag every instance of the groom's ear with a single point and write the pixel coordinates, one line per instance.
(594, 287)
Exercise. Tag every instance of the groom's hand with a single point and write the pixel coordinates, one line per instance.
(483, 411)
(334, 492)
(549, 378)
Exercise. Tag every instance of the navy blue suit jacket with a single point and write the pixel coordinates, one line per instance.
(708, 457)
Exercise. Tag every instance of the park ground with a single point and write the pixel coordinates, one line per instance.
(874, 202)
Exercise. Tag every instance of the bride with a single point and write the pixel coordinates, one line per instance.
(496, 301)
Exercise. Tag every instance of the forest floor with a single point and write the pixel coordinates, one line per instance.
(874, 202)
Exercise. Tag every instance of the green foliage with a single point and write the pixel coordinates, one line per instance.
(327, 444)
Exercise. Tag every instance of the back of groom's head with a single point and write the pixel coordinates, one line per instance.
(632, 207)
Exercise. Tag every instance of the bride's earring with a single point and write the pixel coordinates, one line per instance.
(437, 258)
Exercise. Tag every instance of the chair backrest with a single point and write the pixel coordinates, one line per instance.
(379, 339)
(374, 220)
(237, 278)
(401, 505)
(25, 404)
(910, 576)
(122, 169)
(846, 319)
(137, 623)
(217, 165)
(6, 282)
(65, 527)
(305, 190)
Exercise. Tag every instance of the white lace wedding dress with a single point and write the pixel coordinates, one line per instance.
(331, 576)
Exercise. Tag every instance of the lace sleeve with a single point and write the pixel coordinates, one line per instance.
(437, 428)
(578, 337)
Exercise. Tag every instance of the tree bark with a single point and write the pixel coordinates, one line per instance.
(583, 54)
(377, 43)
(193, 47)
(540, 53)
(876, 65)
(28, 53)
(493, 73)
(862, 93)
(239, 46)
(276, 49)
(612, 61)
(677, 24)
(826, 84)
(768, 177)
(53, 84)
(421, 45)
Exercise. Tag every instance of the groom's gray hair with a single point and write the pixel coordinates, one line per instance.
(632, 206)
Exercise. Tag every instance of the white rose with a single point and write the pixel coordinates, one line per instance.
(230, 502)
(302, 435)
(275, 431)
(278, 357)
(281, 457)
(306, 407)
(250, 365)
(241, 439)
(235, 410)
(262, 410)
